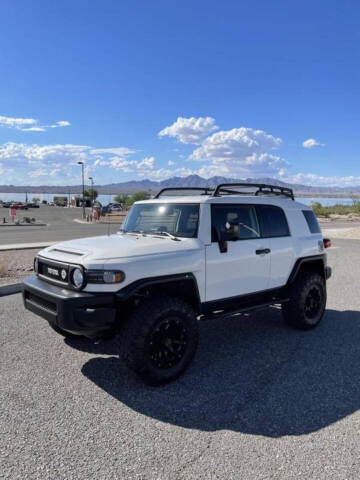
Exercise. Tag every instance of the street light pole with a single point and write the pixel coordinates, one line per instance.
(92, 191)
(83, 187)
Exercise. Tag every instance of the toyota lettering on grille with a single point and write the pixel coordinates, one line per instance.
(53, 271)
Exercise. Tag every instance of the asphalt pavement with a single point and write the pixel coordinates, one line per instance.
(261, 401)
(60, 225)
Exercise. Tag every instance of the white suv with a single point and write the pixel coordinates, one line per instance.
(180, 258)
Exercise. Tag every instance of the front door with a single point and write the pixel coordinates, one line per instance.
(245, 266)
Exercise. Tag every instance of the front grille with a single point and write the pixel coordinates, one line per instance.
(41, 302)
(54, 271)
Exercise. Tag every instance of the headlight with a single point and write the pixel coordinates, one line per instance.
(78, 277)
(35, 265)
(113, 277)
(107, 276)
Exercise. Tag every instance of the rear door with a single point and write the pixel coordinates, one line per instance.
(244, 267)
(274, 226)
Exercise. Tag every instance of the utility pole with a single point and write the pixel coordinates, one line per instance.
(83, 187)
(92, 192)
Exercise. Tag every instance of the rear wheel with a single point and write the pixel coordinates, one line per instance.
(307, 303)
(160, 339)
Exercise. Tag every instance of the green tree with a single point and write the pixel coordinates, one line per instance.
(35, 200)
(128, 200)
(123, 199)
(93, 194)
(140, 196)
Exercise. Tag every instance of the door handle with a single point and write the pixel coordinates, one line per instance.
(262, 251)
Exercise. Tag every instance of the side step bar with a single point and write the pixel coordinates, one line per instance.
(243, 309)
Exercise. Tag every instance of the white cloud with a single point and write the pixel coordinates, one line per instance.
(38, 153)
(239, 152)
(61, 123)
(190, 130)
(171, 163)
(19, 123)
(323, 180)
(163, 173)
(34, 129)
(29, 124)
(114, 151)
(140, 167)
(311, 143)
(38, 173)
(235, 144)
(1, 169)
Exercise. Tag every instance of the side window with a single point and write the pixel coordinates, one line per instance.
(311, 220)
(272, 221)
(242, 218)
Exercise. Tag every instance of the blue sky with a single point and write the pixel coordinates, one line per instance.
(152, 89)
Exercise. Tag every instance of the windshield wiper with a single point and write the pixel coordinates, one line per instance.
(135, 232)
(167, 234)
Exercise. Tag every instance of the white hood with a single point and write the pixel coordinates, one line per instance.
(118, 246)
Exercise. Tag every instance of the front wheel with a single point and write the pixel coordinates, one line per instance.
(160, 339)
(307, 302)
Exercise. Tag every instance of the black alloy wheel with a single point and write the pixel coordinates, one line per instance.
(168, 342)
(159, 339)
(307, 301)
(313, 302)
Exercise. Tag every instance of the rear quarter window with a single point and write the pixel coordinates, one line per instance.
(311, 220)
(273, 221)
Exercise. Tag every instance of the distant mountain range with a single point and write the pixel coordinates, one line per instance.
(190, 181)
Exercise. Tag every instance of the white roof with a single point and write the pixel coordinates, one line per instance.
(282, 201)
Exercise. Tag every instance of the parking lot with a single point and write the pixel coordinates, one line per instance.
(60, 225)
(260, 401)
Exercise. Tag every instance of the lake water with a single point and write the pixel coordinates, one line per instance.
(105, 199)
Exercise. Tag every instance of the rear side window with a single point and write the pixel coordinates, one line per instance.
(311, 220)
(272, 221)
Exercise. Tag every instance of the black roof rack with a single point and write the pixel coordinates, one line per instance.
(262, 189)
(205, 190)
(225, 189)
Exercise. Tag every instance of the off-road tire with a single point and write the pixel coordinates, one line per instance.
(62, 332)
(144, 323)
(307, 302)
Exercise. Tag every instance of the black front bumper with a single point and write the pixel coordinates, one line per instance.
(88, 314)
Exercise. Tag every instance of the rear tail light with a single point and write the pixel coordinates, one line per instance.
(327, 242)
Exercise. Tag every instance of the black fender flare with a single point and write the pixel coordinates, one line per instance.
(300, 262)
(133, 288)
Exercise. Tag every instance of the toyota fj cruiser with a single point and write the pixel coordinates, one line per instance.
(185, 255)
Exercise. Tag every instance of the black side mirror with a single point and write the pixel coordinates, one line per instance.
(229, 234)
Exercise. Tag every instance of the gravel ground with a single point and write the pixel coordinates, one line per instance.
(16, 265)
(350, 233)
(261, 401)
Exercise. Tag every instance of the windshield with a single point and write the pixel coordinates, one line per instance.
(179, 219)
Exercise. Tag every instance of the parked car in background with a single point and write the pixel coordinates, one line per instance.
(116, 207)
(33, 205)
(19, 206)
(112, 207)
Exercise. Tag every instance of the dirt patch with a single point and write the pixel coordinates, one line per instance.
(16, 265)
(349, 233)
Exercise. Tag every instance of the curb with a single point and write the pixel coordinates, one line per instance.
(10, 289)
(23, 225)
(25, 246)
